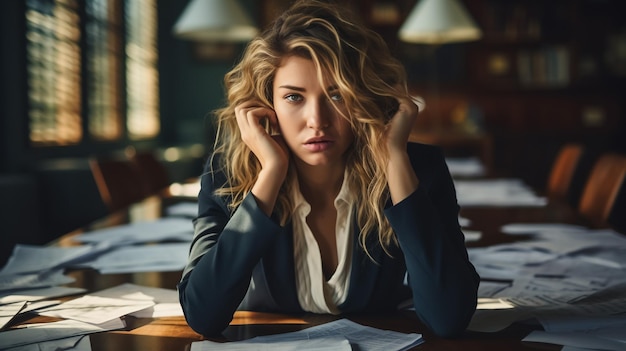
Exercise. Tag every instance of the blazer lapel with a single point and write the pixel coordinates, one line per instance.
(279, 271)
(364, 272)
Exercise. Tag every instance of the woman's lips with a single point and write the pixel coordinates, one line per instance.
(318, 145)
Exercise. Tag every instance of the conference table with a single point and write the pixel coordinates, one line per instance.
(173, 334)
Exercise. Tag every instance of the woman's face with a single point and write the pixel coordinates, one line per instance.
(311, 126)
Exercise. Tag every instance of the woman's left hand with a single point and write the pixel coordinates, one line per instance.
(401, 177)
(400, 126)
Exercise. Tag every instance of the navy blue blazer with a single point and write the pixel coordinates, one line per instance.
(244, 259)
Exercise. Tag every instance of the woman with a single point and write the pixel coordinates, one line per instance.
(314, 200)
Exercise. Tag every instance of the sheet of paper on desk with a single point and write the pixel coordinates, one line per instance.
(37, 294)
(162, 229)
(8, 312)
(363, 337)
(603, 339)
(464, 222)
(465, 167)
(580, 323)
(166, 300)
(40, 332)
(183, 209)
(540, 228)
(74, 343)
(548, 307)
(472, 235)
(94, 309)
(333, 343)
(141, 258)
(496, 192)
(45, 278)
(32, 258)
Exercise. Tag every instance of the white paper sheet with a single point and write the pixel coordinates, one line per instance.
(31, 258)
(9, 311)
(183, 209)
(472, 235)
(465, 167)
(496, 192)
(532, 228)
(40, 332)
(75, 343)
(162, 229)
(363, 337)
(166, 300)
(142, 258)
(577, 339)
(94, 309)
(45, 278)
(37, 294)
(333, 343)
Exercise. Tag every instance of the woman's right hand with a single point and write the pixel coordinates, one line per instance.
(268, 147)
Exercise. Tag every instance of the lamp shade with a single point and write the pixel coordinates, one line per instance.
(439, 22)
(214, 20)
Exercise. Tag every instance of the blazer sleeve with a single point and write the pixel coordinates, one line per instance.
(443, 281)
(224, 251)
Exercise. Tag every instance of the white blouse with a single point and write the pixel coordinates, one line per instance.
(315, 294)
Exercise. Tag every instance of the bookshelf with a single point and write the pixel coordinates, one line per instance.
(544, 73)
(559, 44)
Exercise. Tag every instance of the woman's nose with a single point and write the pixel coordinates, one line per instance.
(319, 114)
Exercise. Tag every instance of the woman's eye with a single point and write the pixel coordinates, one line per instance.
(293, 98)
(336, 97)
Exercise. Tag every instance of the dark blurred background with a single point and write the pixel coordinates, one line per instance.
(85, 80)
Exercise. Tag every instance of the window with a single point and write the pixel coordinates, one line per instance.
(54, 72)
(92, 71)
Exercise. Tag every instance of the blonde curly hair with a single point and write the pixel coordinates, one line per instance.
(368, 78)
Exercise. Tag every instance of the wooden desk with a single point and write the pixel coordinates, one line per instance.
(173, 334)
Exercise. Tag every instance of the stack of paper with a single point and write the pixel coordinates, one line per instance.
(100, 311)
(341, 334)
(569, 279)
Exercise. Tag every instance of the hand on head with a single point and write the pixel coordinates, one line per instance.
(400, 125)
(260, 132)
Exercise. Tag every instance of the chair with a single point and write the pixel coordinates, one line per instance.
(563, 171)
(570, 172)
(119, 181)
(602, 187)
(617, 213)
(152, 172)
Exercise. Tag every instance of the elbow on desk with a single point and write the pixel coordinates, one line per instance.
(448, 320)
(447, 328)
(200, 319)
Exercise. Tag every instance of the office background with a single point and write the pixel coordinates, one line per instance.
(543, 74)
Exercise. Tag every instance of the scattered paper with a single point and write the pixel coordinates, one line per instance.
(162, 229)
(45, 278)
(37, 294)
(75, 343)
(496, 192)
(465, 167)
(166, 300)
(31, 258)
(8, 312)
(320, 344)
(94, 309)
(141, 258)
(183, 209)
(363, 338)
(40, 332)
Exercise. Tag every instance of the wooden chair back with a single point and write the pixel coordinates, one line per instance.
(602, 187)
(153, 172)
(562, 172)
(119, 181)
